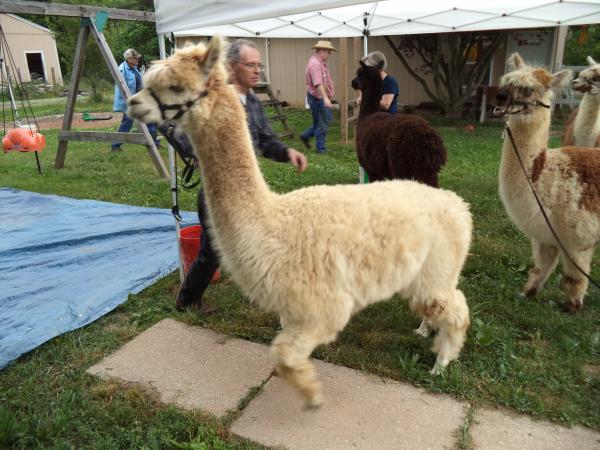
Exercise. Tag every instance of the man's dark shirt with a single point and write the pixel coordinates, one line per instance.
(264, 138)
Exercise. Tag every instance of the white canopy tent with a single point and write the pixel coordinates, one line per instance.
(351, 18)
(355, 18)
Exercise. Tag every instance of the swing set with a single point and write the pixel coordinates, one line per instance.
(93, 21)
(24, 136)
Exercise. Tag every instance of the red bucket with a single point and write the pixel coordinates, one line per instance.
(189, 244)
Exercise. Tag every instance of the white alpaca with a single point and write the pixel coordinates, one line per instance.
(317, 255)
(583, 127)
(567, 180)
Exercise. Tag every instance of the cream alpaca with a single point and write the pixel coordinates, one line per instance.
(567, 180)
(583, 127)
(317, 255)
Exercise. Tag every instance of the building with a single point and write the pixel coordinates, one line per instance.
(285, 61)
(33, 50)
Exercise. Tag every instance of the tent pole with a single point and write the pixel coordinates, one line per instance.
(267, 71)
(362, 175)
(172, 169)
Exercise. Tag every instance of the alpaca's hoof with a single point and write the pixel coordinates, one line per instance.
(531, 292)
(423, 330)
(574, 306)
(314, 403)
(438, 369)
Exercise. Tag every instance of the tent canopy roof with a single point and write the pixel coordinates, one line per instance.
(349, 18)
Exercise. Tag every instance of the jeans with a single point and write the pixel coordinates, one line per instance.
(321, 118)
(127, 124)
(204, 266)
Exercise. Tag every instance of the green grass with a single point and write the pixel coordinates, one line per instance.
(524, 354)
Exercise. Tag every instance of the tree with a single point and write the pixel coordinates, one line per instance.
(457, 63)
(120, 35)
(582, 41)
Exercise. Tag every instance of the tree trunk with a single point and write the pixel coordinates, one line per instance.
(454, 78)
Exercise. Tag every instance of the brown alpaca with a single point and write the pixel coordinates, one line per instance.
(567, 180)
(583, 126)
(394, 146)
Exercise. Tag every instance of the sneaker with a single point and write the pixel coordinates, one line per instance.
(116, 149)
(305, 141)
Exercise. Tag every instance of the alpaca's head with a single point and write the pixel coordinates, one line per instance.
(588, 79)
(181, 82)
(526, 88)
(368, 79)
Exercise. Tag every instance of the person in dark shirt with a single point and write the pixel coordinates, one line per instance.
(389, 99)
(245, 67)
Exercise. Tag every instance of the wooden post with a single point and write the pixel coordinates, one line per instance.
(82, 39)
(118, 77)
(558, 47)
(344, 89)
(357, 52)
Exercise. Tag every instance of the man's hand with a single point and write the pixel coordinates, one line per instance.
(327, 102)
(297, 159)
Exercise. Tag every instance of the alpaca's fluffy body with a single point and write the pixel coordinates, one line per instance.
(394, 146)
(316, 255)
(566, 179)
(583, 126)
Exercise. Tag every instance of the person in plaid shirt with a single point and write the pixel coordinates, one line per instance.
(245, 66)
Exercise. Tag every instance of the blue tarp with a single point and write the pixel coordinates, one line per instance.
(64, 263)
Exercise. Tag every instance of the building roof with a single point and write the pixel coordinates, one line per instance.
(29, 22)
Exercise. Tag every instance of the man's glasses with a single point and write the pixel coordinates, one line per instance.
(252, 66)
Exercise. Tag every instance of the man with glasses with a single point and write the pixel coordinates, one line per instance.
(245, 67)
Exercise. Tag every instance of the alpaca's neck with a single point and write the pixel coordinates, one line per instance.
(231, 177)
(530, 135)
(370, 102)
(587, 121)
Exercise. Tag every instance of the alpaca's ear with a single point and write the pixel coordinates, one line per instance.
(362, 64)
(591, 61)
(380, 65)
(516, 62)
(561, 79)
(214, 53)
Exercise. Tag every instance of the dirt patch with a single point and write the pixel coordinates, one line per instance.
(53, 122)
(592, 370)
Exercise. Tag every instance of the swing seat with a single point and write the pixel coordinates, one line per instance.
(23, 140)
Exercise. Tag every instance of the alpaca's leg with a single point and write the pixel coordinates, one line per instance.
(545, 258)
(424, 329)
(449, 314)
(574, 283)
(291, 350)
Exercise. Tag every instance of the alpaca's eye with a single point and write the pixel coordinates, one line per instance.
(527, 91)
(176, 88)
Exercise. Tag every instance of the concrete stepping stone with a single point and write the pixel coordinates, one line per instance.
(493, 429)
(189, 366)
(360, 412)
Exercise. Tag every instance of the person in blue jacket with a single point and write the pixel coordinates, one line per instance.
(133, 78)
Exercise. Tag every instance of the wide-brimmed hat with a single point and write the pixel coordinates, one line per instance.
(326, 45)
(132, 53)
